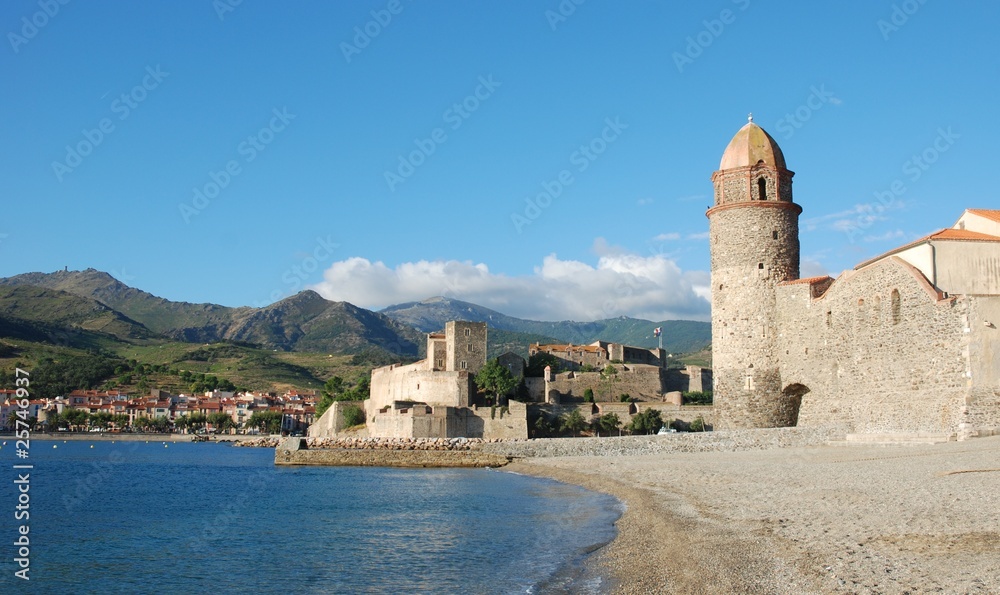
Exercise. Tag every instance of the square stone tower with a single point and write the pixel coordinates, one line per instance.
(466, 346)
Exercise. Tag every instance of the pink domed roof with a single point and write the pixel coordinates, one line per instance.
(751, 145)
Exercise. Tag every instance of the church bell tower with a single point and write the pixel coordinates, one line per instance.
(754, 243)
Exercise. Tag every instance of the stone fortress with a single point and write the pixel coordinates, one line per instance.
(905, 343)
(434, 397)
(640, 372)
(437, 396)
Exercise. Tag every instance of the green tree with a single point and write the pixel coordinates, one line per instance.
(588, 395)
(220, 421)
(537, 363)
(608, 423)
(697, 397)
(142, 423)
(337, 389)
(574, 422)
(101, 419)
(495, 379)
(334, 387)
(646, 422)
(160, 424)
(698, 425)
(75, 418)
(182, 422)
(266, 421)
(353, 416)
(196, 419)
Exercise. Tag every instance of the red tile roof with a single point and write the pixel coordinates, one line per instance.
(809, 280)
(949, 234)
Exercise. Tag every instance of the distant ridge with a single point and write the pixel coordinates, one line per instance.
(679, 336)
(302, 322)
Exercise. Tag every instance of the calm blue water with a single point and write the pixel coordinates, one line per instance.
(142, 518)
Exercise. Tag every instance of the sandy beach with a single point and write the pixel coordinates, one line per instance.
(814, 519)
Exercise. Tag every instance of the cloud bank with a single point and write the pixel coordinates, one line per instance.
(620, 284)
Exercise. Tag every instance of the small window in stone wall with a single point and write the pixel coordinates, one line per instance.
(748, 382)
(762, 188)
(829, 318)
(760, 265)
(774, 235)
(470, 347)
(895, 306)
(468, 332)
(464, 365)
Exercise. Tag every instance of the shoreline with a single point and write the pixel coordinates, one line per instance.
(816, 519)
(131, 437)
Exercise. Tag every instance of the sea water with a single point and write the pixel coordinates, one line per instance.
(131, 517)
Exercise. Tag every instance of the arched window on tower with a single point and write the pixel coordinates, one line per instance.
(761, 189)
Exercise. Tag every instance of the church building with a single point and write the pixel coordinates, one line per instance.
(907, 342)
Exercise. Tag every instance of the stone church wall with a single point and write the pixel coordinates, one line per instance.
(879, 350)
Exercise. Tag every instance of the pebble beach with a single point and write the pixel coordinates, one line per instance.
(780, 511)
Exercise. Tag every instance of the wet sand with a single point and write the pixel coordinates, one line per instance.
(821, 519)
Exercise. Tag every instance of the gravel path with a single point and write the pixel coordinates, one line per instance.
(799, 519)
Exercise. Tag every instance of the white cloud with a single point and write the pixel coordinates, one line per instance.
(644, 201)
(703, 235)
(860, 217)
(889, 235)
(619, 284)
(667, 237)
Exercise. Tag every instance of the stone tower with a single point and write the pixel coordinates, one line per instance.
(465, 349)
(754, 243)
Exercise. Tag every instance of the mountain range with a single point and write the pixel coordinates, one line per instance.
(90, 306)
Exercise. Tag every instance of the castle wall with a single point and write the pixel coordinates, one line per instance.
(639, 381)
(414, 420)
(415, 382)
(878, 350)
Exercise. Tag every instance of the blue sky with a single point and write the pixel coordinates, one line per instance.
(383, 152)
